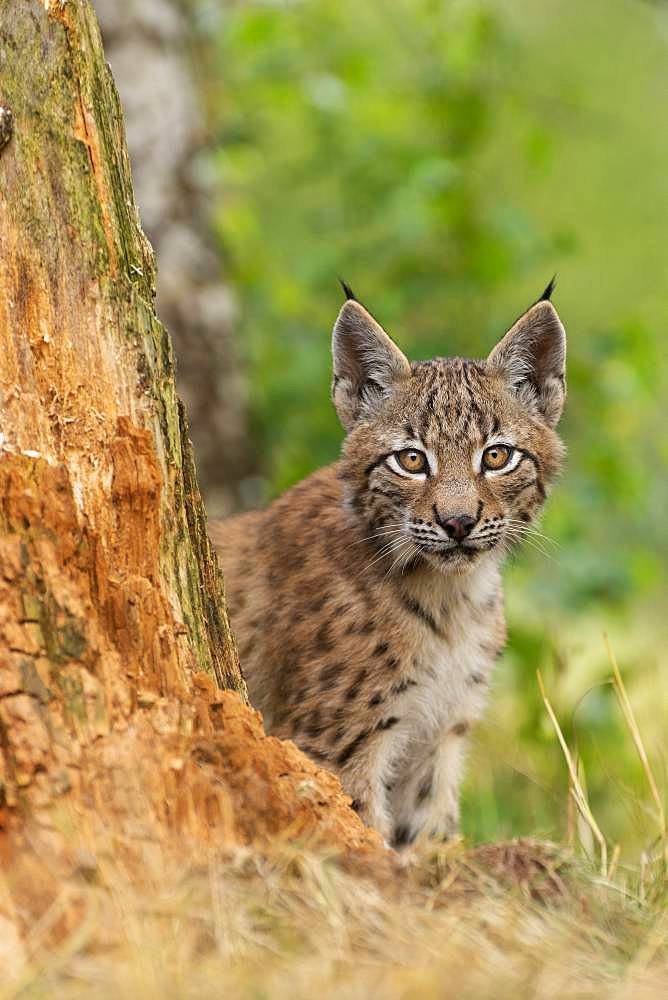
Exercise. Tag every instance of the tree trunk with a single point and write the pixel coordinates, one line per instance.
(110, 595)
(115, 732)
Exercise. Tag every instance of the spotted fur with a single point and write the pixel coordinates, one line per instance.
(367, 631)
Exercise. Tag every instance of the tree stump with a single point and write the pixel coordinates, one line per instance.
(109, 589)
(124, 723)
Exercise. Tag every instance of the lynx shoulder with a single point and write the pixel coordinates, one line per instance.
(367, 600)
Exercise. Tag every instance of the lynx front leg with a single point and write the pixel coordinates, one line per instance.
(365, 767)
(425, 798)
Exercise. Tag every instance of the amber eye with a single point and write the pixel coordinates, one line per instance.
(411, 460)
(496, 456)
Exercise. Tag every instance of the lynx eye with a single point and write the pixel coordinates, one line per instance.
(496, 457)
(411, 460)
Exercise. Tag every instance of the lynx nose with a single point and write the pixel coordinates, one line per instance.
(458, 526)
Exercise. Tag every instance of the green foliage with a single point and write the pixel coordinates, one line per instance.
(349, 149)
(445, 158)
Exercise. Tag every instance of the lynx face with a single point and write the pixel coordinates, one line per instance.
(448, 461)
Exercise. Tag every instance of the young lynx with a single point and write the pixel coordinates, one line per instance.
(367, 600)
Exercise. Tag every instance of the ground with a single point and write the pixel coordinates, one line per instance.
(239, 869)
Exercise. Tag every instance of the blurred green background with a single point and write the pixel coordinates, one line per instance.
(446, 158)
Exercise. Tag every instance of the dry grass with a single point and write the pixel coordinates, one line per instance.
(291, 925)
(522, 920)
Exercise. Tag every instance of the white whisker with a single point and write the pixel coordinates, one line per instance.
(388, 550)
(516, 535)
(385, 532)
(530, 530)
(402, 554)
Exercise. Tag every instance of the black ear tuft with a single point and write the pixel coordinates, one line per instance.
(532, 358)
(347, 291)
(368, 365)
(547, 294)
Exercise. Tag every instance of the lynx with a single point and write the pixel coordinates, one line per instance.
(367, 600)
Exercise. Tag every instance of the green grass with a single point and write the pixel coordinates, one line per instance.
(516, 782)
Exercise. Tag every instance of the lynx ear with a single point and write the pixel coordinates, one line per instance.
(532, 358)
(367, 364)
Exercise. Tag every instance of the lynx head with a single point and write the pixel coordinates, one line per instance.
(448, 461)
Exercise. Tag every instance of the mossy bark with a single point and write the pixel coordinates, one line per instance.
(111, 603)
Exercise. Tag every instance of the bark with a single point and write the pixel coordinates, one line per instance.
(111, 601)
(154, 48)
